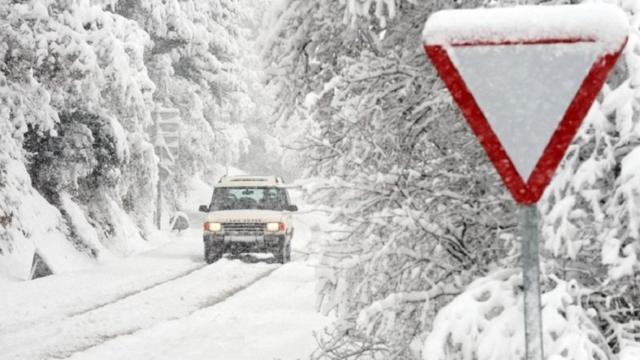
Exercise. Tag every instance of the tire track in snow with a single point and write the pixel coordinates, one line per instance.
(135, 292)
(274, 318)
(53, 299)
(173, 299)
(62, 317)
(214, 300)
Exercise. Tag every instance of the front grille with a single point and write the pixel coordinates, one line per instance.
(236, 228)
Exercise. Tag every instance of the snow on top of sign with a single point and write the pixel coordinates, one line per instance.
(602, 23)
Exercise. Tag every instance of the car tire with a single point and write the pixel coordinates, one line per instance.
(213, 252)
(283, 254)
(288, 251)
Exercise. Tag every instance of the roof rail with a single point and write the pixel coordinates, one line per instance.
(251, 178)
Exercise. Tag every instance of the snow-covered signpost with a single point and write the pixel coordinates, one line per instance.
(167, 136)
(525, 78)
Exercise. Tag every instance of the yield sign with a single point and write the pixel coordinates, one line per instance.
(525, 78)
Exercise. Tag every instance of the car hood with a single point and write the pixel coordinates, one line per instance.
(245, 216)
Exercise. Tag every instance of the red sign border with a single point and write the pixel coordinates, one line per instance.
(529, 192)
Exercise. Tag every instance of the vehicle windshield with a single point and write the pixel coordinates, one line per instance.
(241, 198)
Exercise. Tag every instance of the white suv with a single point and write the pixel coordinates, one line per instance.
(248, 214)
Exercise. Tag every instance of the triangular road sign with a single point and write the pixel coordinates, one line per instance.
(525, 78)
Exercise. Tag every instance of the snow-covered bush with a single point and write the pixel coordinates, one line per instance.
(485, 323)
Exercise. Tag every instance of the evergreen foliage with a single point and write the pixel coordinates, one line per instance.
(418, 213)
(79, 83)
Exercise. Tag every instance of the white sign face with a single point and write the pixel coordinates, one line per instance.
(524, 91)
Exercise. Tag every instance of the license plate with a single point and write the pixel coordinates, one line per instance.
(243, 238)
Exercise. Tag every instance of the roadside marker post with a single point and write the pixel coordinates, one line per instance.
(524, 79)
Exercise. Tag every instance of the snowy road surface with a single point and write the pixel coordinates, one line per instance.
(166, 304)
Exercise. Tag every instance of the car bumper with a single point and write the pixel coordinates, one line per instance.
(256, 241)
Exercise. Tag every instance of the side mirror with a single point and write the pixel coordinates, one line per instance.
(292, 208)
(204, 208)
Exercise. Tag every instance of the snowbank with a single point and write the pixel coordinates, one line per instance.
(32, 225)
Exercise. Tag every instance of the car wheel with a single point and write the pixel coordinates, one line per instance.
(283, 255)
(288, 251)
(279, 251)
(213, 252)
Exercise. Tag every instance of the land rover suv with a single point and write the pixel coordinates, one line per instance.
(248, 214)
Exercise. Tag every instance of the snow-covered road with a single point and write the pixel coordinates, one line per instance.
(166, 304)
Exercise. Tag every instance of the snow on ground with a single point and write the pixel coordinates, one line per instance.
(173, 299)
(166, 303)
(49, 299)
(272, 319)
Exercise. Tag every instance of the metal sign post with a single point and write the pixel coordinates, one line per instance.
(524, 78)
(531, 280)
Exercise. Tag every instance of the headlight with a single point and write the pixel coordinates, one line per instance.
(213, 226)
(275, 227)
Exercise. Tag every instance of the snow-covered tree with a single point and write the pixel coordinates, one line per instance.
(43, 76)
(591, 209)
(205, 65)
(99, 87)
(417, 211)
(415, 217)
(81, 80)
